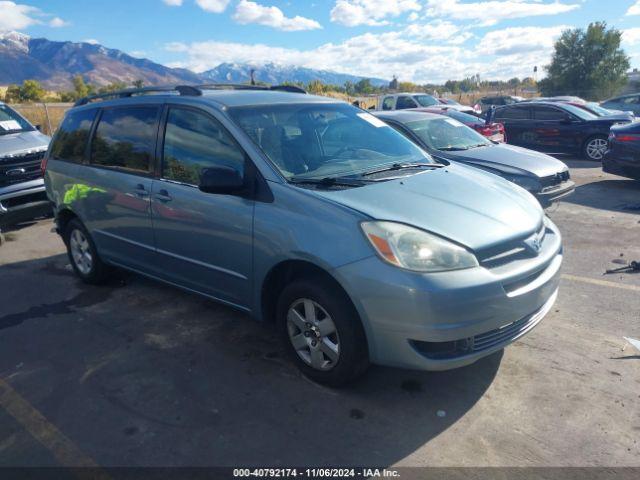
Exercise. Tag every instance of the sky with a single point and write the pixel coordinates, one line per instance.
(423, 41)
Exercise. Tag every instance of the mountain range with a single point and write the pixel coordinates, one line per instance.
(55, 63)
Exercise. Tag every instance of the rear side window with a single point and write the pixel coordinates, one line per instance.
(71, 140)
(548, 113)
(194, 141)
(387, 104)
(512, 114)
(405, 102)
(125, 138)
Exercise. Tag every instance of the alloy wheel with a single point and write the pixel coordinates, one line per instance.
(596, 148)
(81, 251)
(313, 334)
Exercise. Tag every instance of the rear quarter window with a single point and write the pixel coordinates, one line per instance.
(71, 140)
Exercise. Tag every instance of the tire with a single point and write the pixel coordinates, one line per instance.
(83, 254)
(321, 299)
(593, 148)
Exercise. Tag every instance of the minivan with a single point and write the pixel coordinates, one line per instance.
(309, 213)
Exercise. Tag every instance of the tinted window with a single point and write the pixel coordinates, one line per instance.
(548, 113)
(512, 114)
(388, 103)
(72, 136)
(125, 138)
(194, 141)
(405, 102)
(426, 100)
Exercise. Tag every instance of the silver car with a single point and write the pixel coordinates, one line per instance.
(22, 147)
(309, 213)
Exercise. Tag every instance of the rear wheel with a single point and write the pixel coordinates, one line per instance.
(83, 255)
(595, 148)
(322, 332)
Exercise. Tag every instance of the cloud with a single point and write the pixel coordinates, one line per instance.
(438, 30)
(252, 12)
(213, 6)
(631, 36)
(352, 13)
(517, 40)
(634, 9)
(57, 22)
(17, 17)
(490, 12)
(173, 3)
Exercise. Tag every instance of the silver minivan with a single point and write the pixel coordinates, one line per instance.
(309, 213)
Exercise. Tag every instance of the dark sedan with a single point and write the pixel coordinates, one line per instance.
(446, 139)
(623, 157)
(556, 128)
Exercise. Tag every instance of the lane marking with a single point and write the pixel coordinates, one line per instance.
(602, 283)
(63, 449)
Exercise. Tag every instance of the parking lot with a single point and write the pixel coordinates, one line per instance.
(138, 373)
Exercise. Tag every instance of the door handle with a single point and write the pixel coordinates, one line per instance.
(140, 191)
(163, 196)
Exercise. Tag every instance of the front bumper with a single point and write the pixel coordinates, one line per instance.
(552, 194)
(22, 202)
(451, 319)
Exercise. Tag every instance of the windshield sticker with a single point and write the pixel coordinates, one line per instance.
(10, 125)
(376, 122)
(455, 123)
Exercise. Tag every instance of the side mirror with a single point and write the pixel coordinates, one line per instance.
(221, 180)
(372, 107)
(567, 120)
(38, 127)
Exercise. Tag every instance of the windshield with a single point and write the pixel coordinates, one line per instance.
(597, 109)
(11, 122)
(447, 134)
(464, 117)
(579, 112)
(426, 100)
(317, 140)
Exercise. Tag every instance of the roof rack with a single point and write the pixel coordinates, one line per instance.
(185, 90)
(243, 86)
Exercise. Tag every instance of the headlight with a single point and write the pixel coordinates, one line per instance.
(414, 249)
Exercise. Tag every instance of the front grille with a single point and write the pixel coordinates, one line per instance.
(518, 250)
(19, 169)
(555, 180)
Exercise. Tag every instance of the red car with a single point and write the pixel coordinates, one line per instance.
(493, 131)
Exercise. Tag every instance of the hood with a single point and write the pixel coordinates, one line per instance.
(13, 143)
(503, 155)
(608, 121)
(464, 204)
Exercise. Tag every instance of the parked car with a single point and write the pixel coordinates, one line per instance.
(493, 131)
(308, 212)
(559, 99)
(543, 176)
(22, 147)
(623, 156)
(404, 101)
(626, 103)
(485, 103)
(556, 128)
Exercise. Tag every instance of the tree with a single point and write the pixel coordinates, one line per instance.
(587, 63)
(363, 86)
(80, 88)
(138, 83)
(31, 91)
(12, 95)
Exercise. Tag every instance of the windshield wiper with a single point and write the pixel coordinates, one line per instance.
(402, 166)
(453, 149)
(479, 145)
(327, 181)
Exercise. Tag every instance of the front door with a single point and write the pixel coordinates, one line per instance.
(114, 194)
(204, 240)
(554, 129)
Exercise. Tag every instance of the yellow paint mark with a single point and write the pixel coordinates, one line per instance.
(602, 283)
(64, 450)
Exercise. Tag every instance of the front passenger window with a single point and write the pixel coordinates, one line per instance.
(404, 103)
(194, 141)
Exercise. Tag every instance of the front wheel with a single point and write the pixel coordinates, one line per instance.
(322, 332)
(595, 148)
